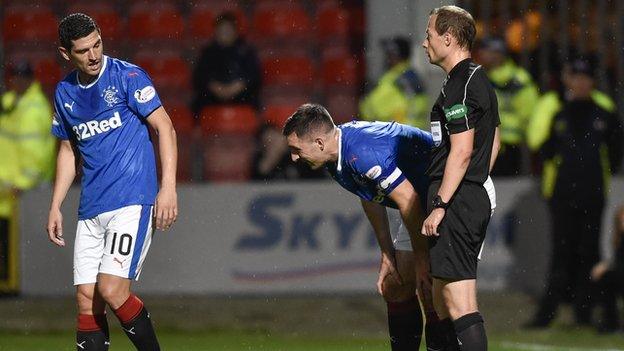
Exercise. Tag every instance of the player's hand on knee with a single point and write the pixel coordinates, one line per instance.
(166, 209)
(55, 227)
(387, 270)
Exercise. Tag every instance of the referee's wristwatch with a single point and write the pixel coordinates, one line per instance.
(438, 203)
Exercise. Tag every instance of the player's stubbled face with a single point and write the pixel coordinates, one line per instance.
(434, 42)
(86, 53)
(305, 150)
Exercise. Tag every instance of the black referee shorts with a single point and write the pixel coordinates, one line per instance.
(454, 252)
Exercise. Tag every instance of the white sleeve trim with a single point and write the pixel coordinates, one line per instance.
(391, 179)
(466, 94)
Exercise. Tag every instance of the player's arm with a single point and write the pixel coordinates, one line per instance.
(412, 213)
(408, 202)
(166, 206)
(378, 218)
(495, 148)
(65, 174)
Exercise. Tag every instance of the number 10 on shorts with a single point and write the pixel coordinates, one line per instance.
(121, 244)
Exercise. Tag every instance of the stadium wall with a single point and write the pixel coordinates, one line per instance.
(284, 238)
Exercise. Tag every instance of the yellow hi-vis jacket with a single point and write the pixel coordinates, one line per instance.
(398, 97)
(27, 146)
(517, 95)
(540, 127)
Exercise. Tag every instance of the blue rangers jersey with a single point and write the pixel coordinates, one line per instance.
(375, 157)
(106, 120)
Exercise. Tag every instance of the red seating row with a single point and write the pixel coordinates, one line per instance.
(243, 120)
(165, 22)
(170, 71)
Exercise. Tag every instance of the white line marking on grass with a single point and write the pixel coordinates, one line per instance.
(540, 347)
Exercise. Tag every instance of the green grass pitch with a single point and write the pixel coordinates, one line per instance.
(304, 323)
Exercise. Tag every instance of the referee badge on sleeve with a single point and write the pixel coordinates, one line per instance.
(436, 132)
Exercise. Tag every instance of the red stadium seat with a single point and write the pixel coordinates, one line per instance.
(187, 140)
(47, 71)
(332, 24)
(293, 98)
(341, 71)
(182, 118)
(105, 16)
(185, 125)
(281, 23)
(29, 24)
(228, 119)
(168, 71)
(288, 71)
(201, 24)
(202, 17)
(160, 23)
(276, 114)
(229, 158)
(343, 107)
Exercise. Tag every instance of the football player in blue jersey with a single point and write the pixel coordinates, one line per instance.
(102, 112)
(384, 164)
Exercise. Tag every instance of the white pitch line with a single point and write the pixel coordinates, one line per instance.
(540, 347)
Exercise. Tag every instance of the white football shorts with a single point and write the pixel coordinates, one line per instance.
(400, 236)
(491, 191)
(114, 242)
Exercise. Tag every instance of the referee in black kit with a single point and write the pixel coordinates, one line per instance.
(464, 122)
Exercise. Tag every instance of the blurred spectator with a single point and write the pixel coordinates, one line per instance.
(580, 138)
(227, 71)
(609, 277)
(400, 94)
(272, 159)
(26, 144)
(517, 95)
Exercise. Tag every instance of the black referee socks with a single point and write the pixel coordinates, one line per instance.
(449, 332)
(471, 332)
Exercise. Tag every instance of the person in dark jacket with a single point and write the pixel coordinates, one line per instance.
(581, 147)
(228, 70)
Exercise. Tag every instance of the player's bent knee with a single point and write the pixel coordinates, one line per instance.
(458, 310)
(393, 292)
(112, 293)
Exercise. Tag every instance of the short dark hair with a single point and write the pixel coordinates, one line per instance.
(456, 21)
(308, 118)
(226, 17)
(75, 26)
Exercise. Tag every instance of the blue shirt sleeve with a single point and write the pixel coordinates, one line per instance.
(140, 92)
(377, 167)
(60, 127)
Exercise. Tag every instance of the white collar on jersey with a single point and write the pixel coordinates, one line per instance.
(339, 165)
(96, 79)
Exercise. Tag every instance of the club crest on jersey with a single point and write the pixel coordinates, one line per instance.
(110, 96)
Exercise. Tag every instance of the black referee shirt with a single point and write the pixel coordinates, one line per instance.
(467, 101)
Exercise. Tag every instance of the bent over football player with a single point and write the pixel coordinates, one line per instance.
(384, 164)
